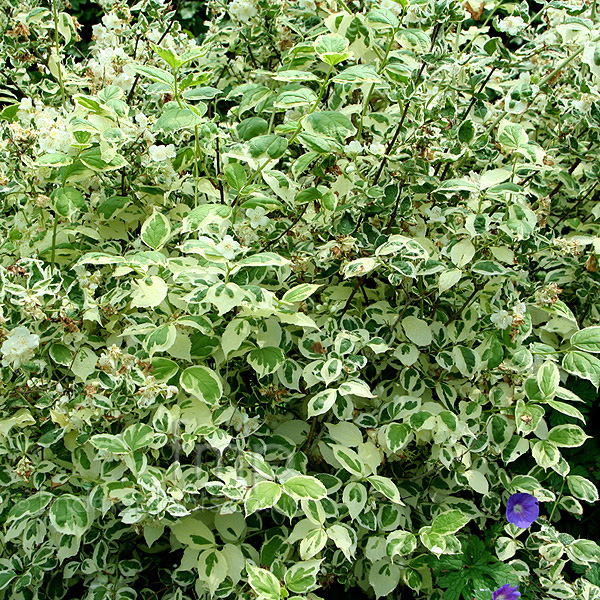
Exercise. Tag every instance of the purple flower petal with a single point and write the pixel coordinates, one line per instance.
(522, 510)
(506, 592)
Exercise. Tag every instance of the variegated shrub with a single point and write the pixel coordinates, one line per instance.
(293, 306)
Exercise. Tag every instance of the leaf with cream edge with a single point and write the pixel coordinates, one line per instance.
(304, 486)
(202, 383)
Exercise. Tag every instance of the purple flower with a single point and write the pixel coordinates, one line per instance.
(522, 510)
(506, 592)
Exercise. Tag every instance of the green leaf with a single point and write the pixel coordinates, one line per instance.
(312, 543)
(332, 48)
(264, 494)
(349, 460)
(300, 292)
(466, 360)
(30, 507)
(304, 487)
(201, 93)
(489, 268)
(163, 369)
(397, 436)
(67, 201)
(293, 98)
(161, 339)
(263, 259)
(358, 74)
(384, 577)
(274, 146)
(69, 515)
(175, 118)
(449, 522)
(401, 543)
(61, 354)
(93, 159)
(321, 403)
(466, 132)
(148, 292)
(301, 577)
(566, 409)
(5, 578)
(329, 123)
(168, 56)
(567, 436)
(138, 436)
(251, 127)
(156, 230)
(512, 136)
(582, 365)
(587, 339)
(109, 443)
(266, 361)
(263, 582)
(582, 488)
(383, 16)
(235, 175)
(51, 437)
(155, 74)
(548, 379)
(545, 453)
(583, 552)
(385, 486)
(457, 185)
(202, 383)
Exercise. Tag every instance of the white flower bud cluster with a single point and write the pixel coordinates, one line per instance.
(149, 392)
(19, 347)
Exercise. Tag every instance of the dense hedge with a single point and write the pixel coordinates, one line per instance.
(298, 297)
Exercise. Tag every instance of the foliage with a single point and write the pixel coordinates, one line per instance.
(295, 306)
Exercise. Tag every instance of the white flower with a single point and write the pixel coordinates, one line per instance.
(395, 7)
(257, 217)
(161, 153)
(19, 347)
(242, 10)
(377, 149)
(584, 103)
(228, 247)
(111, 21)
(520, 309)
(511, 25)
(354, 147)
(502, 319)
(435, 215)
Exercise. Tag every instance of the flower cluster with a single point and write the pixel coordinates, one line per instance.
(19, 347)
